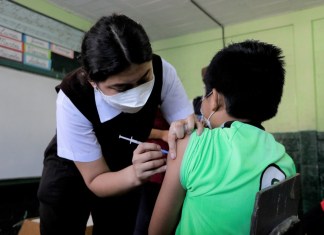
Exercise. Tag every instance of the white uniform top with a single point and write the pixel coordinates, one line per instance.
(76, 139)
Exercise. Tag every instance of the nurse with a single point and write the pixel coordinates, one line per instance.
(116, 91)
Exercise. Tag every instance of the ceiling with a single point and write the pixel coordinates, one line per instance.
(169, 18)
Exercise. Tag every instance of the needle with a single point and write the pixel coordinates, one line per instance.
(131, 140)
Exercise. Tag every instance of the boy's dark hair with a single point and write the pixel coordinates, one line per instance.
(251, 77)
(112, 45)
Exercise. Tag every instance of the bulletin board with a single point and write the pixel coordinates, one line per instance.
(35, 43)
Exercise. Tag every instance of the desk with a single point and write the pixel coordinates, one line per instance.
(31, 227)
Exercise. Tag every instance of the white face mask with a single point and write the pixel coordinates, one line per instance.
(132, 100)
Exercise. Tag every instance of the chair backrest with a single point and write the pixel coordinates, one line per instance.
(276, 204)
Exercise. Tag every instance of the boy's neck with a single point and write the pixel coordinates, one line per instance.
(221, 116)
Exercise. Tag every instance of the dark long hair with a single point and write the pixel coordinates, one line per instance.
(112, 45)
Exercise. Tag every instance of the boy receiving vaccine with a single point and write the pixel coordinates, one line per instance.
(210, 187)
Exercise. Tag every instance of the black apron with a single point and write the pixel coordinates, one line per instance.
(62, 185)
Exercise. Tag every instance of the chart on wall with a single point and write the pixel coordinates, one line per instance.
(36, 43)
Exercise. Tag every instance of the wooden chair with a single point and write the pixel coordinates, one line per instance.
(276, 209)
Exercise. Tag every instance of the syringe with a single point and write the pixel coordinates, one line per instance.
(131, 140)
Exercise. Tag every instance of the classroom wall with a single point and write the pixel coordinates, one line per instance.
(27, 122)
(299, 34)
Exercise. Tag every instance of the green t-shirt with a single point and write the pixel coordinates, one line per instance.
(222, 171)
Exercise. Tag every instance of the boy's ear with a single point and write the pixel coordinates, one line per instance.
(214, 100)
(218, 100)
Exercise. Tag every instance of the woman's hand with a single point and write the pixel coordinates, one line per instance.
(148, 161)
(179, 129)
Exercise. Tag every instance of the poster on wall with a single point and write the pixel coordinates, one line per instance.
(11, 45)
(37, 53)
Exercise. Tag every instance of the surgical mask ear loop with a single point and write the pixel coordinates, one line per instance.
(208, 120)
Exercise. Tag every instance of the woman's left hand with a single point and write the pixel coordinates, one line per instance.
(179, 129)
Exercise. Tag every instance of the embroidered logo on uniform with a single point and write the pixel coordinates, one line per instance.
(271, 175)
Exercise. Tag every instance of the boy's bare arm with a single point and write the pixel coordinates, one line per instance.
(168, 205)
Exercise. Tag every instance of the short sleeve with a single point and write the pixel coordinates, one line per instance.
(76, 139)
(175, 102)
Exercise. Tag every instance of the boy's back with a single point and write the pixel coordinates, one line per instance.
(222, 180)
